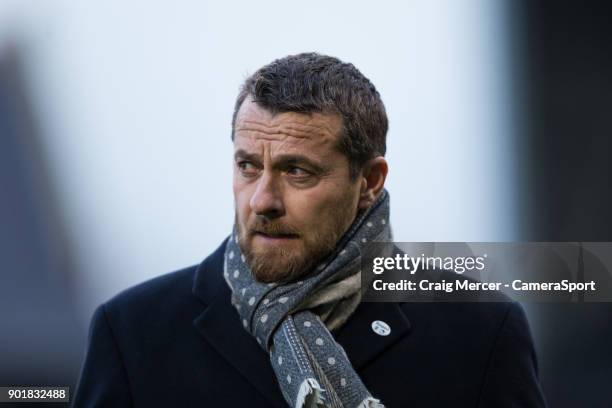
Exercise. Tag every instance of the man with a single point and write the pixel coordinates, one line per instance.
(273, 317)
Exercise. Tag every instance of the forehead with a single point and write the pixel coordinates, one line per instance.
(291, 130)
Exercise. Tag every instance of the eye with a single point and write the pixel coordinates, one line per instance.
(247, 168)
(298, 172)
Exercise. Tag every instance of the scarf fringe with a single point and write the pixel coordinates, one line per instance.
(310, 394)
(370, 402)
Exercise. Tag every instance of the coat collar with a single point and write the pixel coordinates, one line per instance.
(220, 325)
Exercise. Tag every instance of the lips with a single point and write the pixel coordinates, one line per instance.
(275, 235)
(268, 238)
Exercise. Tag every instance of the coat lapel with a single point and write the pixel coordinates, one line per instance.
(220, 325)
(357, 337)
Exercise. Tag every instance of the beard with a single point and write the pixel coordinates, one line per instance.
(300, 255)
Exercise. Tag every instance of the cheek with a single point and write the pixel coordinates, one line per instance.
(301, 209)
(310, 207)
(242, 197)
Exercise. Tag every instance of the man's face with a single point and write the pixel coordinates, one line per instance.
(293, 195)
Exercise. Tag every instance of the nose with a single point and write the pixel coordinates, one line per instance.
(267, 200)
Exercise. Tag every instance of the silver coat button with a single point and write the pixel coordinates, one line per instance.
(381, 328)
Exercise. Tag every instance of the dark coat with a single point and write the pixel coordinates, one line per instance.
(176, 341)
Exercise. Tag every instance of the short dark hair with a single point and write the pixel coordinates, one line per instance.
(311, 82)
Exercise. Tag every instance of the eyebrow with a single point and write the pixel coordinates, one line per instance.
(281, 160)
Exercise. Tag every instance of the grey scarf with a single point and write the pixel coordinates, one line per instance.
(292, 321)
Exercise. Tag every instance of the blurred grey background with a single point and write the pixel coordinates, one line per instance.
(115, 151)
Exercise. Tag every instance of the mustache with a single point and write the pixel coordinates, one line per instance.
(272, 228)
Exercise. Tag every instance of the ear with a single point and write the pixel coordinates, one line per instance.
(373, 177)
